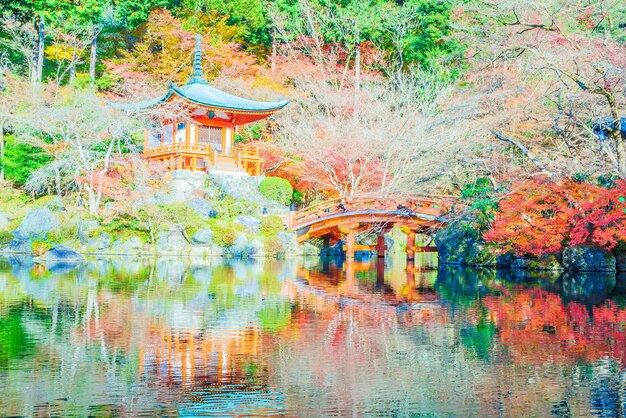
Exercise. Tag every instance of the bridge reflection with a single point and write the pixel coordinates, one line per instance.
(373, 278)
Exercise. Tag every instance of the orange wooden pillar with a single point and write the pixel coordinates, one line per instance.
(381, 247)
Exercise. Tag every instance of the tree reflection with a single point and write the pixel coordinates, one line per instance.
(310, 338)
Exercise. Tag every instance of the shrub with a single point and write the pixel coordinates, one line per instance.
(274, 247)
(224, 236)
(229, 208)
(5, 237)
(277, 189)
(40, 246)
(271, 225)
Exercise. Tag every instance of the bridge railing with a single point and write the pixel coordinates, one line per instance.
(331, 207)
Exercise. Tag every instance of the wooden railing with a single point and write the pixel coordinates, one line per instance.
(246, 157)
(182, 147)
(428, 206)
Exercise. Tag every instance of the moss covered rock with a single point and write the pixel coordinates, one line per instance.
(544, 262)
(620, 260)
(479, 255)
(588, 258)
(37, 224)
(456, 241)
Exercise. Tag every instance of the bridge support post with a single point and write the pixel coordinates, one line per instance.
(410, 245)
(380, 245)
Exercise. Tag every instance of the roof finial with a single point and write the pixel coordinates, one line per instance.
(197, 61)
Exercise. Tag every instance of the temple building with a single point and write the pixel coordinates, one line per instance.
(204, 141)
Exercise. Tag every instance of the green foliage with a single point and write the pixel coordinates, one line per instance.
(40, 246)
(297, 197)
(482, 199)
(183, 215)
(271, 225)
(252, 132)
(5, 237)
(277, 189)
(124, 227)
(224, 235)
(274, 247)
(12, 201)
(20, 160)
(228, 208)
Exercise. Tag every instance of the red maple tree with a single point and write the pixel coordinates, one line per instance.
(542, 217)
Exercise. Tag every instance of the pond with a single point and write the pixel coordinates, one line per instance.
(306, 337)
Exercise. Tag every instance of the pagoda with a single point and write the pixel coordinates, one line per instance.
(204, 141)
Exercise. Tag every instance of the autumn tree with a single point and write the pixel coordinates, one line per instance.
(542, 217)
(83, 133)
(571, 60)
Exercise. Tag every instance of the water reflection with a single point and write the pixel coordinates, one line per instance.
(306, 337)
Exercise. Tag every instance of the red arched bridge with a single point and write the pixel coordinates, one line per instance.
(338, 219)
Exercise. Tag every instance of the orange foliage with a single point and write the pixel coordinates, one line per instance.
(542, 217)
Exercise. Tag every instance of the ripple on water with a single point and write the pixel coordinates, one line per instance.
(320, 338)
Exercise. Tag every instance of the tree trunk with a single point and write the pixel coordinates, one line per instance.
(57, 181)
(72, 71)
(40, 49)
(616, 135)
(1, 152)
(92, 59)
(274, 52)
(357, 68)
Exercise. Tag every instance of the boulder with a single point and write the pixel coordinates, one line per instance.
(85, 228)
(185, 182)
(37, 224)
(19, 246)
(588, 258)
(620, 260)
(479, 255)
(172, 240)
(129, 246)
(256, 248)
(61, 253)
(250, 223)
(202, 237)
(202, 207)
(290, 243)
(455, 242)
(240, 247)
(101, 243)
(505, 260)
(543, 262)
